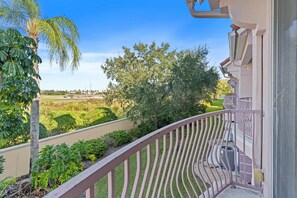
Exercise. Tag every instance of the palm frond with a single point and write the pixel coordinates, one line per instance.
(12, 15)
(59, 33)
(61, 36)
(67, 26)
(30, 7)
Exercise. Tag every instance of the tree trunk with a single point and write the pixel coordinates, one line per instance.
(34, 132)
(34, 120)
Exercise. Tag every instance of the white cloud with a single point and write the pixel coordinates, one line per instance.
(90, 62)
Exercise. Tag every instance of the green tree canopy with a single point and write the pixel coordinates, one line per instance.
(18, 84)
(223, 88)
(157, 85)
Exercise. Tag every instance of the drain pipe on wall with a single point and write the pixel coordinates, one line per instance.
(204, 14)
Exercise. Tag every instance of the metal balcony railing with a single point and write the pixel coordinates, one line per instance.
(244, 120)
(230, 101)
(190, 158)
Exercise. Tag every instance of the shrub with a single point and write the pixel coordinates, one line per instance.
(84, 150)
(92, 157)
(56, 165)
(120, 137)
(98, 147)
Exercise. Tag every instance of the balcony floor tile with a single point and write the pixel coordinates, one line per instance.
(239, 193)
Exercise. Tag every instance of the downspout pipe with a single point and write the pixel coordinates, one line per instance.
(204, 14)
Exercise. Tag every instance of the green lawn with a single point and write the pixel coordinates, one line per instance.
(215, 106)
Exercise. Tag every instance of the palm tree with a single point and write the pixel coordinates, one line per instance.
(60, 36)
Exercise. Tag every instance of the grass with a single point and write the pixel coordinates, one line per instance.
(61, 116)
(216, 105)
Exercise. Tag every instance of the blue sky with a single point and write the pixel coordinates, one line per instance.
(106, 26)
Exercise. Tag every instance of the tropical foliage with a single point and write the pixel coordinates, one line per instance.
(18, 84)
(60, 36)
(157, 86)
(59, 163)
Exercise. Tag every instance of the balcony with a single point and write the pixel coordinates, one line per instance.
(195, 157)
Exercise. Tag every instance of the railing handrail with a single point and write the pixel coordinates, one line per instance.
(80, 183)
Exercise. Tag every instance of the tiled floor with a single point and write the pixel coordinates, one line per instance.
(239, 193)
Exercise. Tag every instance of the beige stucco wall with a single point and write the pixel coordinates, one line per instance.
(245, 82)
(257, 16)
(17, 157)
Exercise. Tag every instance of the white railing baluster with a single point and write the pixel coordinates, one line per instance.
(196, 143)
(147, 168)
(138, 173)
(126, 178)
(186, 152)
(199, 159)
(189, 156)
(172, 157)
(154, 168)
(176, 161)
(160, 166)
(90, 192)
(180, 160)
(166, 165)
(111, 181)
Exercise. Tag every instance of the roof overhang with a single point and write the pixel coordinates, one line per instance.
(228, 68)
(240, 46)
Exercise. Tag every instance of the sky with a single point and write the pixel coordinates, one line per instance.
(105, 26)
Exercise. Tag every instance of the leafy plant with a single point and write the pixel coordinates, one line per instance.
(83, 148)
(5, 183)
(98, 147)
(119, 137)
(56, 165)
(18, 84)
(92, 157)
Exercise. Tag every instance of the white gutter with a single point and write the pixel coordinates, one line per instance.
(204, 14)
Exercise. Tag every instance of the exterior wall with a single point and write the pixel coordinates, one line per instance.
(17, 157)
(245, 167)
(267, 141)
(257, 16)
(245, 81)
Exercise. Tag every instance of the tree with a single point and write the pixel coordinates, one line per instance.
(18, 84)
(192, 83)
(58, 33)
(223, 88)
(157, 86)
